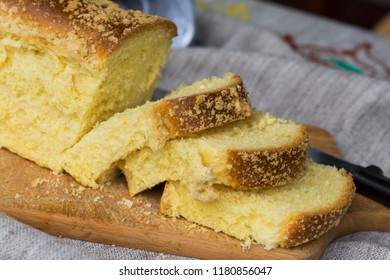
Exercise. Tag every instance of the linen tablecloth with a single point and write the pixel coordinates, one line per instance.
(294, 65)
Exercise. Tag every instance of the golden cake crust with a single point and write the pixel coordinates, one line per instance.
(261, 169)
(309, 226)
(88, 29)
(206, 110)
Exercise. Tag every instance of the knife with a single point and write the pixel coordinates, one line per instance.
(369, 180)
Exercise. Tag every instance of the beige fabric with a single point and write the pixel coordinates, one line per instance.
(354, 108)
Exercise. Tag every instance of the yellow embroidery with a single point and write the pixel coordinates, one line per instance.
(238, 11)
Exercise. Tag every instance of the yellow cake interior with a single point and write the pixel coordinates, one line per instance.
(264, 216)
(49, 100)
(204, 85)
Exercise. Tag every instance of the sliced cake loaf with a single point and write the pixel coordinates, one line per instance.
(204, 104)
(66, 65)
(259, 152)
(286, 216)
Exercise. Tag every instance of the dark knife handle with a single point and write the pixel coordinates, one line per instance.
(371, 182)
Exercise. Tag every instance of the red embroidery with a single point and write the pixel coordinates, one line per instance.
(359, 59)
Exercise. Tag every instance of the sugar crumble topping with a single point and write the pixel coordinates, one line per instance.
(199, 112)
(86, 27)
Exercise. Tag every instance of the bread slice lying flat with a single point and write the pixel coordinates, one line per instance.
(286, 216)
(204, 104)
(67, 65)
(259, 152)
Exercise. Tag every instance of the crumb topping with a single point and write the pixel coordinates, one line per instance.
(89, 27)
(264, 169)
(199, 112)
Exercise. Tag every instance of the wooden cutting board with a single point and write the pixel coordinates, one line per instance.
(59, 206)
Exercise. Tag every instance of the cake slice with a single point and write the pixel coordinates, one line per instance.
(259, 152)
(286, 216)
(66, 65)
(205, 104)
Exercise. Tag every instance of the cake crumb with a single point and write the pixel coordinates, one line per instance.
(17, 196)
(56, 173)
(38, 181)
(246, 245)
(126, 202)
(163, 256)
(148, 205)
(77, 192)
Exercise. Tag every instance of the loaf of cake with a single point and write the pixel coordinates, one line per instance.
(66, 65)
(259, 152)
(202, 105)
(287, 216)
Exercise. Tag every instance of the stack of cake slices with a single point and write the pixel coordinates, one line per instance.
(226, 166)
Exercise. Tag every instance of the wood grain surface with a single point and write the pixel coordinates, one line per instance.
(60, 206)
